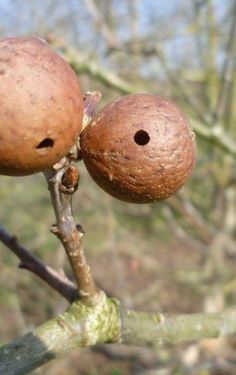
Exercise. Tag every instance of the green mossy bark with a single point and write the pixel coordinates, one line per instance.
(83, 324)
(154, 329)
(102, 320)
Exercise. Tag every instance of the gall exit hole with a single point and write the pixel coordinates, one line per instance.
(141, 138)
(45, 145)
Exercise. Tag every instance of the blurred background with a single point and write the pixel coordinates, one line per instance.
(175, 256)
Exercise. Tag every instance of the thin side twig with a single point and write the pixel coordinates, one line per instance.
(70, 235)
(28, 261)
(62, 181)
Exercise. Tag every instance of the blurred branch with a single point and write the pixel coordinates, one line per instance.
(106, 32)
(134, 13)
(87, 325)
(210, 56)
(58, 282)
(145, 357)
(215, 135)
(227, 69)
(144, 48)
(83, 65)
(192, 217)
(197, 19)
(179, 232)
(175, 81)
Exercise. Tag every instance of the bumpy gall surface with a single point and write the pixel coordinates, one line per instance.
(139, 148)
(41, 106)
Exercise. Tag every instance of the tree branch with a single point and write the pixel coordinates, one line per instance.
(139, 328)
(80, 326)
(60, 283)
(86, 325)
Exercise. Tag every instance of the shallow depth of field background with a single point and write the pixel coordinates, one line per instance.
(174, 256)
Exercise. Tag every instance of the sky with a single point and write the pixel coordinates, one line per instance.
(71, 21)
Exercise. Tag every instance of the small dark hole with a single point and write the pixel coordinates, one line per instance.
(45, 145)
(141, 137)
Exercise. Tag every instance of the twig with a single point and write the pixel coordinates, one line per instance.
(60, 283)
(68, 233)
(91, 101)
(62, 182)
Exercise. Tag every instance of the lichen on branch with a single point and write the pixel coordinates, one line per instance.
(84, 325)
